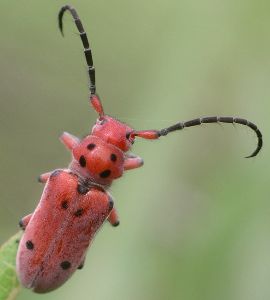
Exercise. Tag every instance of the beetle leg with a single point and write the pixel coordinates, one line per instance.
(132, 162)
(24, 221)
(44, 177)
(69, 140)
(113, 218)
(81, 265)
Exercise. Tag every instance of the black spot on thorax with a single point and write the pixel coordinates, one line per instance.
(105, 174)
(82, 161)
(91, 146)
(113, 157)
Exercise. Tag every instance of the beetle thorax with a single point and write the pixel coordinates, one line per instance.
(96, 161)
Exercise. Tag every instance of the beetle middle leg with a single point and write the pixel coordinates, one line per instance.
(132, 162)
(24, 221)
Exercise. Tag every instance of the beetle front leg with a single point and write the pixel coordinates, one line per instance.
(132, 162)
(24, 221)
(113, 218)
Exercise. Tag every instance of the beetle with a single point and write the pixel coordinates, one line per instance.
(75, 201)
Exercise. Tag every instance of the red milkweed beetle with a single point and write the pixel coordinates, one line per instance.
(75, 201)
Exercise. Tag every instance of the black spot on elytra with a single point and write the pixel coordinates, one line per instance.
(82, 189)
(82, 161)
(91, 146)
(65, 265)
(105, 174)
(113, 157)
(29, 245)
(79, 212)
(80, 266)
(64, 204)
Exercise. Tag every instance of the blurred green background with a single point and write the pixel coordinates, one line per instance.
(195, 219)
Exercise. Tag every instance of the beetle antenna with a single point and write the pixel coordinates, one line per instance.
(154, 134)
(85, 42)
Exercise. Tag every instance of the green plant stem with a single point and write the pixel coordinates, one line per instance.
(9, 284)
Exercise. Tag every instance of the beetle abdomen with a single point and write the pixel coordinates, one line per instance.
(59, 232)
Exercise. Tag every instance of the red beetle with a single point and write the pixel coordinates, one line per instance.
(75, 201)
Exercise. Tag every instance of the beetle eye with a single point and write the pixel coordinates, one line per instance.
(130, 138)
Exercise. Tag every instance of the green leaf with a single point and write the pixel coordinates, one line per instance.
(9, 284)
